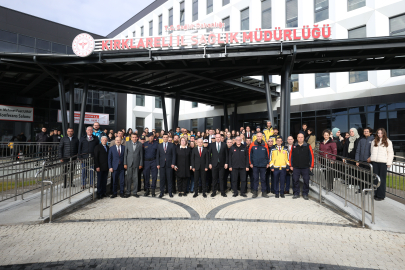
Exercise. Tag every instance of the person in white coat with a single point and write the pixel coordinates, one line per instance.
(382, 155)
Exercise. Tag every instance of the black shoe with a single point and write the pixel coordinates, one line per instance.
(180, 194)
(147, 193)
(213, 194)
(185, 194)
(378, 199)
(272, 191)
(277, 196)
(195, 195)
(305, 197)
(98, 197)
(161, 195)
(286, 192)
(254, 194)
(235, 195)
(113, 196)
(204, 195)
(296, 196)
(153, 193)
(264, 195)
(282, 195)
(122, 195)
(243, 195)
(223, 195)
(127, 196)
(136, 195)
(170, 195)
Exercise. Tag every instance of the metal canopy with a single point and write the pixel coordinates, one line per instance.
(214, 76)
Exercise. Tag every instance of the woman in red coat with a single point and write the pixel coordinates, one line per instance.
(328, 150)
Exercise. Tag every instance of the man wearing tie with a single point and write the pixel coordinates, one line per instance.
(133, 162)
(116, 165)
(218, 163)
(248, 133)
(199, 164)
(165, 160)
(101, 165)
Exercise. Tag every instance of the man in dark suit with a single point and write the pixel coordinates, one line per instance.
(68, 147)
(199, 163)
(101, 166)
(133, 161)
(116, 165)
(87, 144)
(165, 160)
(218, 152)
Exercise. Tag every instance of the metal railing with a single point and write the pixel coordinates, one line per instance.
(395, 181)
(341, 176)
(13, 151)
(62, 180)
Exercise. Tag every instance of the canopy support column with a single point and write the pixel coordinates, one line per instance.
(164, 113)
(176, 111)
(71, 104)
(62, 99)
(226, 123)
(83, 108)
(268, 96)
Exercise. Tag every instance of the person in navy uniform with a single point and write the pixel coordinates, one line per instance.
(218, 164)
(259, 162)
(116, 165)
(238, 166)
(150, 154)
(142, 140)
(166, 158)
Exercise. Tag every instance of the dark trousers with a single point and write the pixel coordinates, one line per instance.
(150, 166)
(118, 176)
(250, 174)
(174, 178)
(287, 182)
(279, 180)
(218, 178)
(166, 179)
(68, 170)
(182, 184)
(296, 179)
(102, 182)
(380, 169)
(226, 174)
(200, 174)
(259, 172)
(140, 173)
(268, 177)
(238, 175)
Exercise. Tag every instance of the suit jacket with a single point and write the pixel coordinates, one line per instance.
(131, 158)
(222, 156)
(116, 161)
(101, 157)
(197, 162)
(166, 160)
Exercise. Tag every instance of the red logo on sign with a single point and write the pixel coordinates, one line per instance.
(83, 45)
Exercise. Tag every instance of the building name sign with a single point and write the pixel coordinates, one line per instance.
(89, 118)
(196, 26)
(259, 36)
(15, 113)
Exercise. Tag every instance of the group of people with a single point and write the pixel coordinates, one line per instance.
(201, 162)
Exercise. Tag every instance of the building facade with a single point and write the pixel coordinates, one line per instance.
(324, 100)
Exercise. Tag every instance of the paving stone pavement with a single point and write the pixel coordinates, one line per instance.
(198, 244)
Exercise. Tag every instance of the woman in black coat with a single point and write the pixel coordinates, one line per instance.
(183, 156)
(350, 146)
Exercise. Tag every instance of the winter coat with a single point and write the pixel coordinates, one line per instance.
(363, 151)
(328, 147)
(382, 154)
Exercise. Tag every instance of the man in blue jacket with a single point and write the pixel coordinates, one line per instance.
(87, 144)
(363, 152)
(97, 131)
(259, 162)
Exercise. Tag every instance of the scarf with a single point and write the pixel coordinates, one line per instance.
(352, 139)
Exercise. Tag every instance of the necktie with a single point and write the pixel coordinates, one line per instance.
(279, 149)
(218, 147)
(105, 147)
(89, 138)
(119, 151)
(200, 151)
(165, 147)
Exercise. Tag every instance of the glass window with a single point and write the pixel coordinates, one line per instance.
(395, 122)
(397, 25)
(158, 125)
(355, 4)
(194, 104)
(58, 48)
(377, 120)
(397, 72)
(194, 125)
(25, 49)
(396, 106)
(26, 41)
(339, 111)
(323, 112)
(295, 127)
(158, 102)
(358, 76)
(322, 80)
(140, 100)
(140, 124)
(69, 50)
(358, 121)
(7, 47)
(341, 122)
(360, 32)
(182, 13)
(295, 115)
(309, 121)
(291, 7)
(43, 45)
(151, 28)
(359, 109)
(244, 19)
(321, 11)
(209, 123)
(226, 22)
(133, 34)
(266, 14)
(195, 10)
(209, 6)
(307, 114)
(322, 123)
(294, 84)
(171, 17)
(141, 31)
(225, 2)
(379, 107)
(43, 51)
(160, 29)
(8, 36)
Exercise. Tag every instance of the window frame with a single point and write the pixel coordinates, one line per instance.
(359, 81)
(290, 83)
(143, 100)
(271, 17)
(315, 11)
(248, 19)
(142, 31)
(158, 99)
(208, 6)
(396, 16)
(194, 10)
(320, 76)
(194, 104)
(182, 12)
(286, 20)
(365, 4)
(160, 25)
(151, 28)
(229, 24)
(224, 4)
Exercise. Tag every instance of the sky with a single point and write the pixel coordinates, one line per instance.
(95, 16)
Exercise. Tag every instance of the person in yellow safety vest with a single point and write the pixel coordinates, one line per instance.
(279, 165)
(275, 136)
(268, 131)
(255, 135)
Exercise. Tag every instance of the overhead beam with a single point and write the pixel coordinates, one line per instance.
(36, 81)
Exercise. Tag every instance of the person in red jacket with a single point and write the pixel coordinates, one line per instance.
(328, 150)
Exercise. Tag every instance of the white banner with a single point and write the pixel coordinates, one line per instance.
(15, 113)
(89, 118)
